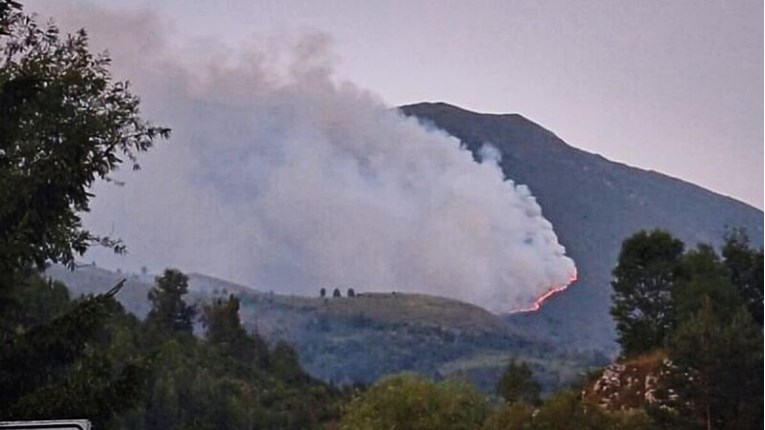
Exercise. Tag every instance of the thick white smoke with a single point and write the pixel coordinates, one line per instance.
(280, 178)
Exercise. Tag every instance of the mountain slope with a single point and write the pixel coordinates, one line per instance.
(593, 204)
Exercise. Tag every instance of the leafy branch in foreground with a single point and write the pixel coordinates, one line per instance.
(64, 123)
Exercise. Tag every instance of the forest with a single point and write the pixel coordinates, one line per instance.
(689, 320)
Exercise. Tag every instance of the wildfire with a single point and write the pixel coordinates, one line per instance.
(541, 299)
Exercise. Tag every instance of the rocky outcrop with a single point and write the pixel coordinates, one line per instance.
(633, 383)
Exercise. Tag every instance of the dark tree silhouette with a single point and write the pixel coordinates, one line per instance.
(517, 384)
(643, 283)
(169, 312)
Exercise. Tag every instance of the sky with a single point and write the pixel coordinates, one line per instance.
(675, 87)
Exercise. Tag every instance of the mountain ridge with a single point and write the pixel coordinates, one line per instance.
(523, 121)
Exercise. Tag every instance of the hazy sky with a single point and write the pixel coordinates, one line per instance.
(673, 86)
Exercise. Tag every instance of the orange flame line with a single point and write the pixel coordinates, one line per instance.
(541, 299)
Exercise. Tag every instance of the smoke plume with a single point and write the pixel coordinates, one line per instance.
(281, 177)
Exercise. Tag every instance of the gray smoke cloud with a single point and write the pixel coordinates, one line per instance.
(283, 178)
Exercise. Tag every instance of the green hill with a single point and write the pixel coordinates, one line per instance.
(360, 339)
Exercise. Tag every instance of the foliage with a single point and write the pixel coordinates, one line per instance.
(90, 359)
(510, 416)
(63, 124)
(745, 269)
(703, 278)
(411, 402)
(718, 368)
(644, 278)
(517, 384)
(35, 301)
(226, 333)
(230, 380)
(713, 335)
(374, 335)
(631, 420)
(564, 411)
(169, 312)
(61, 367)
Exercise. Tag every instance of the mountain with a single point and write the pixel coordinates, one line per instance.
(593, 204)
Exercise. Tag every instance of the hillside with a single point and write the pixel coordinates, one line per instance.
(593, 204)
(362, 338)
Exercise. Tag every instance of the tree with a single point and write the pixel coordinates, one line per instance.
(63, 124)
(351, 293)
(510, 416)
(643, 281)
(563, 411)
(702, 311)
(322, 292)
(224, 328)
(225, 331)
(336, 293)
(517, 384)
(412, 402)
(703, 277)
(717, 355)
(745, 268)
(62, 369)
(36, 301)
(169, 312)
(717, 346)
(285, 363)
